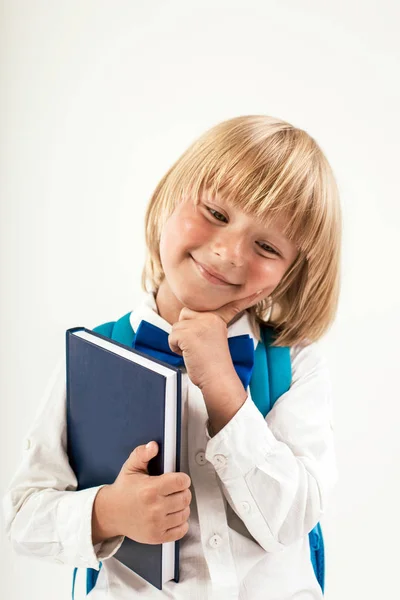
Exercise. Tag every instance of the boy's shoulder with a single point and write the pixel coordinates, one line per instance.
(308, 360)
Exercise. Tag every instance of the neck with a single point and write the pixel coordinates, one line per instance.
(168, 305)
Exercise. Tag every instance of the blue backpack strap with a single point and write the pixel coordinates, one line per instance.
(272, 372)
(91, 578)
(73, 582)
(279, 366)
(259, 382)
(120, 331)
(105, 329)
(318, 554)
(272, 377)
(123, 332)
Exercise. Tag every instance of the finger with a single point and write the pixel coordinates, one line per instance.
(230, 310)
(177, 518)
(175, 533)
(173, 340)
(187, 314)
(169, 483)
(178, 501)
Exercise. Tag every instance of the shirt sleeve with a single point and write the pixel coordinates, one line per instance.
(45, 516)
(278, 472)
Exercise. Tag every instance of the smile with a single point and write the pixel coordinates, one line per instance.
(206, 275)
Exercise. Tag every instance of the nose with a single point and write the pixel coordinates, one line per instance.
(230, 248)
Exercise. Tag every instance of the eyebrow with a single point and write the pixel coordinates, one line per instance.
(280, 237)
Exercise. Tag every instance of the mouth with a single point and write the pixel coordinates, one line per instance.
(209, 277)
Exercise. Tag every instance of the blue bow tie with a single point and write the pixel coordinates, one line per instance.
(152, 340)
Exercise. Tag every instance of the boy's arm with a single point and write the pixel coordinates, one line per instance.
(44, 514)
(277, 473)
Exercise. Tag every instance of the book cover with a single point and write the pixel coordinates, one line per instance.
(119, 398)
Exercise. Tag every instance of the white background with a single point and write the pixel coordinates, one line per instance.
(98, 99)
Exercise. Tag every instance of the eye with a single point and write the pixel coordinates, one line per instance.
(269, 249)
(214, 211)
(263, 246)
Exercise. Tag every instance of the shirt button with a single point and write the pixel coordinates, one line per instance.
(215, 541)
(27, 444)
(219, 460)
(201, 458)
(245, 507)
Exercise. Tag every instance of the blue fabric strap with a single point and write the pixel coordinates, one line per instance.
(105, 329)
(279, 366)
(91, 578)
(272, 373)
(123, 332)
(259, 382)
(73, 582)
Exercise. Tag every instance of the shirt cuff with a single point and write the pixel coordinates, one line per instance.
(82, 552)
(241, 444)
(108, 548)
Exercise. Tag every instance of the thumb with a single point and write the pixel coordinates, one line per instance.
(138, 459)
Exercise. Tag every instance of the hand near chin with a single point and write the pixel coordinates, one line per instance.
(201, 338)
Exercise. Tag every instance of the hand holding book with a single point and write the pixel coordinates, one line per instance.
(147, 509)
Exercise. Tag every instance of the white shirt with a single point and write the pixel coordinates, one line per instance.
(258, 487)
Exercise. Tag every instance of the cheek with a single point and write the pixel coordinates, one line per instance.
(192, 231)
(168, 241)
(266, 273)
(179, 235)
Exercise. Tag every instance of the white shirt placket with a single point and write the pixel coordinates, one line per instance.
(210, 502)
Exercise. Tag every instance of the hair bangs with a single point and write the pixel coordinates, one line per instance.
(269, 179)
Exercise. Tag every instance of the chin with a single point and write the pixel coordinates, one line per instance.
(196, 301)
(201, 305)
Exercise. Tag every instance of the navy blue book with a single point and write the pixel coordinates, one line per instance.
(119, 398)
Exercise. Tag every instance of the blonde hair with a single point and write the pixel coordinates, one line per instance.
(269, 169)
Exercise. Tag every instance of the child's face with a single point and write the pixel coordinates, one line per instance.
(248, 255)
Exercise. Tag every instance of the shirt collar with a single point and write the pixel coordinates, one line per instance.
(147, 310)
